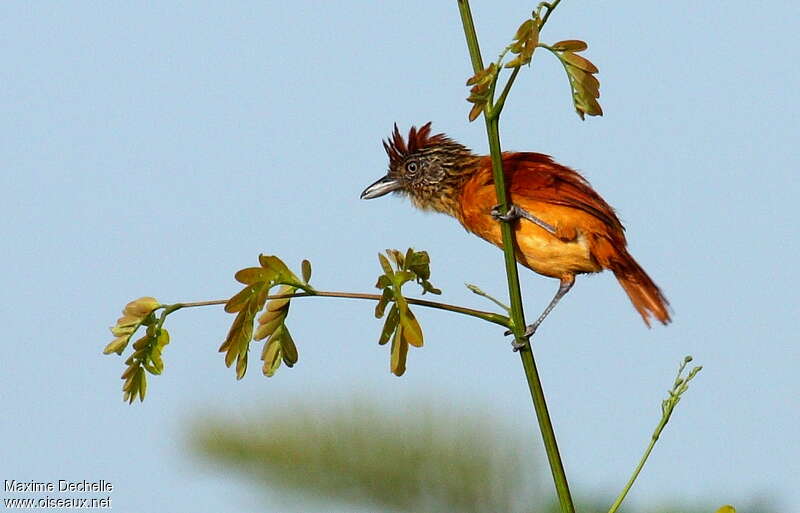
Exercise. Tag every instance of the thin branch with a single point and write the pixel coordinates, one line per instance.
(480, 314)
(476, 290)
(501, 101)
(668, 405)
(550, 8)
(201, 303)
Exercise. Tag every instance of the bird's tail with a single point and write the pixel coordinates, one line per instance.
(645, 295)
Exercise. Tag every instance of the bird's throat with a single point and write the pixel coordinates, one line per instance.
(444, 201)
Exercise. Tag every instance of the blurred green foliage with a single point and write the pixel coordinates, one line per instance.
(423, 459)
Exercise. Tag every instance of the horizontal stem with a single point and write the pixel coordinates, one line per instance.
(480, 314)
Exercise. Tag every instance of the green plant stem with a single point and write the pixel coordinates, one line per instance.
(476, 290)
(668, 405)
(517, 313)
(480, 314)
(550, 7)
(501, 100)
(494, 112)
(629, 484)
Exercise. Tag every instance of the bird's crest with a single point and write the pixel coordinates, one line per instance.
(398, 149)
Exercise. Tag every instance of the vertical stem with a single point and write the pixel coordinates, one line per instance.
(517, 313)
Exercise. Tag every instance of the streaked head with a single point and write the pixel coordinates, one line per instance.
(426, 167)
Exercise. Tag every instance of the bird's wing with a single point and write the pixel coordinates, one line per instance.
(537, 177)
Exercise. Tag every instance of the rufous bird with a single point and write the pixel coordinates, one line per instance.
(562, 226)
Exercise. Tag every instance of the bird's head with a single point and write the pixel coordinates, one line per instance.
(428, 168)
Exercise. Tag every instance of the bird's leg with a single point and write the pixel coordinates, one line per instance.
(563, 288)
(514, 212)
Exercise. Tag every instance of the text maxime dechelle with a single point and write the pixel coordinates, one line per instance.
(62, 485)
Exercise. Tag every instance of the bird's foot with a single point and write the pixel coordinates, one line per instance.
(516, 345)
(519, 343)
(512, 214)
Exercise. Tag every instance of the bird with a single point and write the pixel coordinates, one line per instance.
(562, 227)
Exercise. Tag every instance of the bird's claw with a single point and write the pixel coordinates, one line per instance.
(519, 343)
(516, 345)
(512, 214)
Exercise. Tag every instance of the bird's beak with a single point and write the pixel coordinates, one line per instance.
(383, 186)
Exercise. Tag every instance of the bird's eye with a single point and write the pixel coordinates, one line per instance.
(411, 167)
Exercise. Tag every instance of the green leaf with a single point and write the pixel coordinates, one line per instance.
(419, 263)
(524, 44)
(428, 287)
(516, 62)
(383, 282)
(305, 267)
(271, 325)
(140, 308)
(580, 71)
(524, 31)
(142, 384)
(389, 325)
(151, 368)
(484, 76)
(128, 372)
(135, 385)
(586, 82)
(142, 342)
(571, 45)
(288, 348)
(381, 306)
(475, 111)
(271, 357)
(146, 357)
(117, 345)
(412, 332)
(397, 257)
(480, 91)
(252, 299)
(265, 329)
(408, 257)
(404, 276)
(579, 62)
(237, 343)
(267, 316)
(158, 364)
(283, 274)
(240, 300)
(252, 275)
(387, 267)
(401, 322)
(241, 366)
(587, 105)
(280, 304)
(163, 339)
(399, 353)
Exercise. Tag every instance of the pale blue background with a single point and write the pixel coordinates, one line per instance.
(154, 149)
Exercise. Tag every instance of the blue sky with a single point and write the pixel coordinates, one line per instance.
(155, 149)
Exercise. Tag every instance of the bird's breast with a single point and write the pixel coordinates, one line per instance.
(567, 253)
